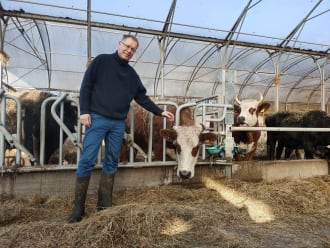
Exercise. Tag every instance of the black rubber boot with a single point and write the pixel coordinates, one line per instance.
(105, 191)
(80, 198)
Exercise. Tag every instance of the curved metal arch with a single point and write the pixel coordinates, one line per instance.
(269, 85)
(254, 70)
(283, 44)
(44, 61)
(312, 93)
(48, 61)
(226, 44)
(298, 82)
(285, 41)
(325, 80)
(159, 69)
(199, 65)
(166, 30)
(215, 86)
(3, 66)
(321, 70)
(237, 56)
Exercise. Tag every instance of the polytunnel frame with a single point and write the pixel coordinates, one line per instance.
(46, 61)
(228, 42)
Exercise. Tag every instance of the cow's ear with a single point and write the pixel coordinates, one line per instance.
(237, 108)
(207, 138)
(168, 134)
(263, 107)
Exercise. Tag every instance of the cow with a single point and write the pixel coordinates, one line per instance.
(310, 142)
(288, 140)
(187, 138)
(141, 130)
(246, 113)
(31, 102)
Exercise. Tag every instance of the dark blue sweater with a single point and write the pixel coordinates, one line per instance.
(108, 87)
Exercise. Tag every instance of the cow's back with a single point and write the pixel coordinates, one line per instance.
(316, 119)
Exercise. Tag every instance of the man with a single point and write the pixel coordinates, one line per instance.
(108, 87)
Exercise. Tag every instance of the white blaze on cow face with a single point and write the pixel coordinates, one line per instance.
(248, 112)
(248, 115)
(187, 140)
(187, 149)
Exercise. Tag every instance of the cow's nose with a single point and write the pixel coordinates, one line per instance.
(184, 174)
(241, 120)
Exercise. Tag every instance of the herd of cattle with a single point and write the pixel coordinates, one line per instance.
(311, 142)
(185, 138)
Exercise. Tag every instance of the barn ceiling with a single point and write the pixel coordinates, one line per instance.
(187, 48)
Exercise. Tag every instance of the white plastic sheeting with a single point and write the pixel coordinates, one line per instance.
(267, 43)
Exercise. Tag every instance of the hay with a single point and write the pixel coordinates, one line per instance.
(218, 213)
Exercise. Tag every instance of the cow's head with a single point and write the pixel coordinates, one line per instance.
(247, 110)
(187, 140)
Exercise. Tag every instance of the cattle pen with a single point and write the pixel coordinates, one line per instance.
(243, 203)
(236, 200)
(245, 164)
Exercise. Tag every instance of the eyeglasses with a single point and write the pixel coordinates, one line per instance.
(128, 47)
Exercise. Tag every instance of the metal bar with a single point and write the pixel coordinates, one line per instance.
(281, 129)
(177, 113)
(166, 104)
(14, 142)
(43, 129)
(71, 136)
(127, 165)
(17, 137)
(160, 33)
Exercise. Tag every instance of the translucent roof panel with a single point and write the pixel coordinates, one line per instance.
(186, 47)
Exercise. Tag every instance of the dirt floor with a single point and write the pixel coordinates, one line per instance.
(217, 213)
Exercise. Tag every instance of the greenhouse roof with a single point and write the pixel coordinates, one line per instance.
(188, 48)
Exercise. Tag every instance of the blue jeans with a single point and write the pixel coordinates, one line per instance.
(102, 128)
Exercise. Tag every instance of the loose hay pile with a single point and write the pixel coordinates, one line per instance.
(218, 213)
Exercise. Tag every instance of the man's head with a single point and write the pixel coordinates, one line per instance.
(127, 47)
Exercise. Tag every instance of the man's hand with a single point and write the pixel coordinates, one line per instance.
(85, 120)
(168, 115)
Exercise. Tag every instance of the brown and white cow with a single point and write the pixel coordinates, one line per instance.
(185, 138)
(246, 113)
(141, 131)
(188, 140)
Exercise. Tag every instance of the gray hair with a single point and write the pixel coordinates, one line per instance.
(126, 36)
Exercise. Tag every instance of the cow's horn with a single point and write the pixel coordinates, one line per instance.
(203, 127)
(261, 98)
(238, 101)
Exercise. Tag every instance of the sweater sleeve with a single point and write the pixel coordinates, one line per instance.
(144, 101)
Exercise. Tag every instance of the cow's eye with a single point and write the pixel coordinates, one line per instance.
(194, 151)
(252, 110)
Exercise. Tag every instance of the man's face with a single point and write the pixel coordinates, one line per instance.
(127, 48)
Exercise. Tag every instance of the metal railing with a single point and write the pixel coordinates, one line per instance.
(13, 139)
(57, 103)
(75, 138)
